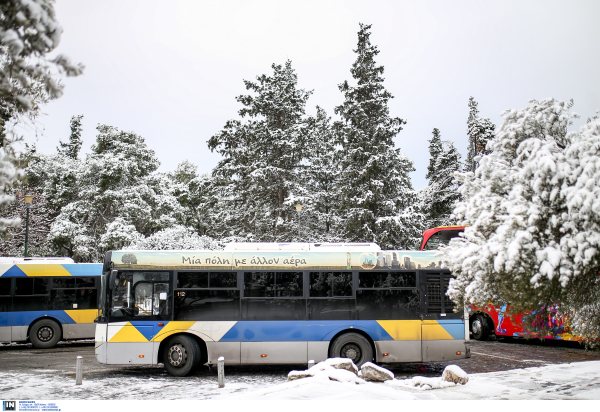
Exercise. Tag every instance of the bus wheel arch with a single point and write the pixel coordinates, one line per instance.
(45, 332)
(182, 353)
(351, 341)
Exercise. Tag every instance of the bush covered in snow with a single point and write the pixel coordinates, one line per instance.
(533, 210)
(175, 238)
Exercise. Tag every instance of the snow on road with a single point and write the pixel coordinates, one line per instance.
(561, 381)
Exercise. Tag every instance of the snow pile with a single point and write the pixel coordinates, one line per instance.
(333, 369)
(452, 376)
(344, 370)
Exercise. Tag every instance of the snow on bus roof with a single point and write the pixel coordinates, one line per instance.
(34, 260)
(313, 247)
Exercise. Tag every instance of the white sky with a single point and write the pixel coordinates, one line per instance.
(170, 70)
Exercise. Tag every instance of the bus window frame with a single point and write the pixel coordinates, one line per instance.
(133, 317)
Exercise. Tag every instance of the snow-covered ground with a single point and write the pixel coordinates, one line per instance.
(561, 381)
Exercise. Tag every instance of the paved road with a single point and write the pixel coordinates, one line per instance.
(489, 356)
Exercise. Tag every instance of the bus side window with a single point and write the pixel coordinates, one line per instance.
(5, 299)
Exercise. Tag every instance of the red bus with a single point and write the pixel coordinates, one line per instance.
(489, 319)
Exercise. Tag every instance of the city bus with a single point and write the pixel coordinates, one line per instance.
(498, 319)
(275, 304)
(45, 300)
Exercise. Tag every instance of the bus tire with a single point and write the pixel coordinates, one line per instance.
(353, 346)
(480, 328)
(181, 355)
(45, 333)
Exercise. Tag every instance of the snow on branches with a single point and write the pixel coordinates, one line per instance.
(533, 213)
(374, 183)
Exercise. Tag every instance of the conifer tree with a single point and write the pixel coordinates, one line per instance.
(441, 195)
(261, 156)
(119, 198)
(374, 183)
(480, 131)
(73, 146)
(316, 185)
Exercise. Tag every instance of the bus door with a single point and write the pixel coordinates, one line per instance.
(141, 301)
(439, 322)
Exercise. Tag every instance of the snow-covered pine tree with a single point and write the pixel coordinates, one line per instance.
(261, 156)
(533, 212)
(315, 189)
(56, 176)
(29, 78)
(197, 195)
(441, 195)
(73, 146)
(176, 237)
(480, 131)
(119, 198)
(374, 182)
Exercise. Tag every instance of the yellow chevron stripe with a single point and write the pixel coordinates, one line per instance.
(82, 315)
(402, 329)
(172, 328)
(432, 330)
(128, 333)
(44, 270)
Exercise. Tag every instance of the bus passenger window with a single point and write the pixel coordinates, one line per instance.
(222, 280)
(5, 299)
(192, 279)
(342, 284)
(330, 284)
(288, 284)
(259, 284)
(320, 284)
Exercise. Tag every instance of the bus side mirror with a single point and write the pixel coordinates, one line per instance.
(113, 277)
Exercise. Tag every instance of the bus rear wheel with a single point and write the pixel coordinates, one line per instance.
(480, 328)
(352, 346)
(45, 334)
(181, 355)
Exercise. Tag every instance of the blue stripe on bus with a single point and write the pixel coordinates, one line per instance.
(83, 269)
(25, 318)
(148, 329)
(14, 272)
(455, 327)
(299, 331)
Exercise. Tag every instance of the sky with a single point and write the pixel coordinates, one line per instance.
(170, 70)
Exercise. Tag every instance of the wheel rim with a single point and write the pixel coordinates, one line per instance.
(45, 334)
(476, 327)
(177, 355)
(351, 351)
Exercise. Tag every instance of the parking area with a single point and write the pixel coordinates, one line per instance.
(489, 356)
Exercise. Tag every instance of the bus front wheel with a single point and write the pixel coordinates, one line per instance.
(352, 346)
(45, 334)
(181, 355)
(480, 328)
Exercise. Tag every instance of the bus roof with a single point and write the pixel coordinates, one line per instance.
(34, 260)
(299, 247)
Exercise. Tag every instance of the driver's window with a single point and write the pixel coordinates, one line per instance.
(141, 294)
(151, 299)
(143, 299)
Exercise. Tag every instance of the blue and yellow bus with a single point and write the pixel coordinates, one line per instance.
(276, 303)
(45, 300)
